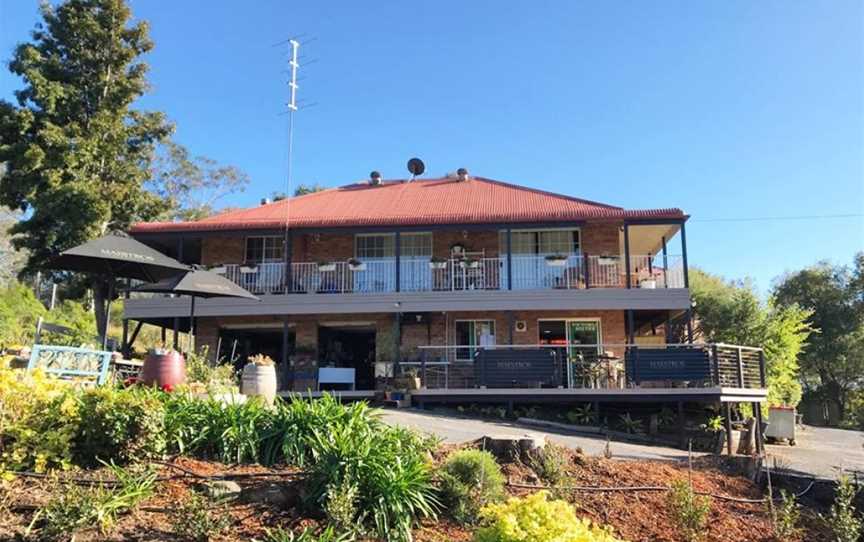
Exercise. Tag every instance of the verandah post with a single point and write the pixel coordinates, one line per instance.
(627, 253)
(740, 368)
(665, 264)
(509, 259)
(398, 250)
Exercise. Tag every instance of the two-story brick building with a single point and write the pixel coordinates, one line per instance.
(429, 272)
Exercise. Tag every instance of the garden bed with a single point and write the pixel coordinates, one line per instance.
(634, 516)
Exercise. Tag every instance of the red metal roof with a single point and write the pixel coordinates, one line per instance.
(414, 203)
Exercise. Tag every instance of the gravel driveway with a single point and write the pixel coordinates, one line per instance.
(820, 451)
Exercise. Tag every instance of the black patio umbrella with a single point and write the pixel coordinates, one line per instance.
(196, 283)
(117, 255)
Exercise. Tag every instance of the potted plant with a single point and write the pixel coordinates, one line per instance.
(470, 263)
(326, 266)
(607, 260)
(437, 263)
(408, 380)
(249, 268)
(356, 265)
(259, 378)
(219, 268)
(556, 260)
(648, 283)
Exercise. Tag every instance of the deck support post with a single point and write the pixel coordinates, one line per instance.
(176, 333)
(398, 249)
(627, 253)
(511, 324)
(682, 425)
(684, 255)
(124, 342)
(727, 425)
(285, 342)
(397, 339)
(665, 265)
(289, 254)
(510, 260)
(760, 443)
(164, 335)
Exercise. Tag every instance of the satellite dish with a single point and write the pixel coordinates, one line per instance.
(416, 167)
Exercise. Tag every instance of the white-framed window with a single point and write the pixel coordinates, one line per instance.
(374, 245)
(473, 333)
(415, 244)
(557, 241)
(265, 249)
(383, 245)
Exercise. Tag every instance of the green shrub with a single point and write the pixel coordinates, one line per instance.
(688, 510)
(307, 535)
(787, 516)
(119, 425)
(842, 519)
(194, 520)
(549, 464)
(340, 507)
(74, 507)
(535, 518)
(38, 421)
(212, 429)
(468, 481)
(219, 378)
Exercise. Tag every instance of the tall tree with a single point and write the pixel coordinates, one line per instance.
(77, 154)
(834, 294)
(730, 311)
(192, 186)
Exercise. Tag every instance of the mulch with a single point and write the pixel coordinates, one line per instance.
(635, 516)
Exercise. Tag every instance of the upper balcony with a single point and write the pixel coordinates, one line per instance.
(429, 274)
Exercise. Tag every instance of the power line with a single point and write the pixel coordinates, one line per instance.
(778, 218)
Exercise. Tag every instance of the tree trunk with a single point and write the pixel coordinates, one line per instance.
(100, 298)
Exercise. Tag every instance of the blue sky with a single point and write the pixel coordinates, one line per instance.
(726, 109)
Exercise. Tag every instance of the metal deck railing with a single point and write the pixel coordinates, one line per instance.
(588, 366)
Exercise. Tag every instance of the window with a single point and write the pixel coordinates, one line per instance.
(542, 242)
(471, 333)
(374, 245)
(383, 245)
(415, 245)
(265, 249)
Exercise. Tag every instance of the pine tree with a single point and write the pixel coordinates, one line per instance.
(77, 154)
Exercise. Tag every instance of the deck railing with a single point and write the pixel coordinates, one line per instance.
(593, 366)
(423, 274)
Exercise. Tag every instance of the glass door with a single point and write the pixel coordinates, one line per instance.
(583, 340)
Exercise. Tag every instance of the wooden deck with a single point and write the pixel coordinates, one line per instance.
(562, 395)
(533, 395)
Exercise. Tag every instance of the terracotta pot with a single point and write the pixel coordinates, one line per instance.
(259, 380)
(164, 368)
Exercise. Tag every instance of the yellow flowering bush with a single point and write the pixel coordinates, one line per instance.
(38, 421)
(535, 518)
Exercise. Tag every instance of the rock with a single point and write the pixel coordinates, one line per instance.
(221, 489)
(275, 494)
(511, 448)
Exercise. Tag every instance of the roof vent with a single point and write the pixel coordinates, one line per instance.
(462, 174)
(265, 201)
(375, 178)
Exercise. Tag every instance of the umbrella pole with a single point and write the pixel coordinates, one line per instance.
(107, 313)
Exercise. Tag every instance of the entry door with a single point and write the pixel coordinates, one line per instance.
(583, 339)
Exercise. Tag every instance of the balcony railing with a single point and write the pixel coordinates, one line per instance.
(591, 366)
(421, 274)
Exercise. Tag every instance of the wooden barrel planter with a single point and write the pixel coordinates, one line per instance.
(259, 380)
(164, 368)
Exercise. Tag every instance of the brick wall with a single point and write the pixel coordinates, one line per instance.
(221, 250)
(601, 238)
